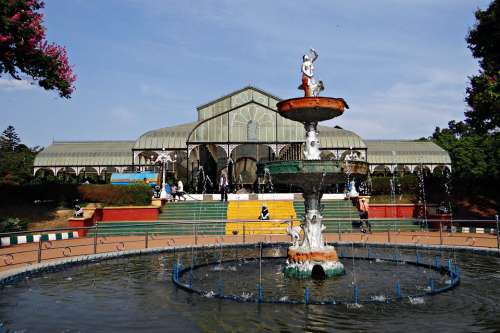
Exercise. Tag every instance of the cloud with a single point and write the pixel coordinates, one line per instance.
(15, 85)
(123, 115)
(408, 110)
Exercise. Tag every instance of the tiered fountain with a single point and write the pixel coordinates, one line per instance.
(311, 256)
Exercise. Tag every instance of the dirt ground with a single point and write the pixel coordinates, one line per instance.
(59, 220)
(476, 207)
(38, 216)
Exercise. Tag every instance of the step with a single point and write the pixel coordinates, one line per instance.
(117, 228)
(251, 209)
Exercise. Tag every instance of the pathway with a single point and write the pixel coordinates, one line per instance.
(26, 254)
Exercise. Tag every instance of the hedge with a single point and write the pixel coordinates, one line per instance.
(118, 195)
(66, 194)
(404, 184)
(434, 185)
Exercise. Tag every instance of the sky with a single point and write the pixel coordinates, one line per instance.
(401, 65)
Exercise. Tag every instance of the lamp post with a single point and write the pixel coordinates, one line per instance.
(163, 158)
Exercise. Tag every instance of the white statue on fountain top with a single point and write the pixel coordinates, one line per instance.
(309, 85)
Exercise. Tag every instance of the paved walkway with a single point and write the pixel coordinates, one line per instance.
(27, 254)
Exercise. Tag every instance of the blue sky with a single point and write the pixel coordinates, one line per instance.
(401, 65)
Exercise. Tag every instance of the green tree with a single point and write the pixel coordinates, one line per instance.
(474, 144)
(483, 94)
(16, 159)
(470, 153)
(9, 140)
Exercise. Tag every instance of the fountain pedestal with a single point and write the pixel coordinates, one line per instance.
(311, 257)
(305, 263)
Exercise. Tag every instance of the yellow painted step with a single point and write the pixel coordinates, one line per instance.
(250, 210)
(242, 210)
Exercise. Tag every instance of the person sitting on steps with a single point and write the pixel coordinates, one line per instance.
(78, 211)
(264, 214)
(174, 191)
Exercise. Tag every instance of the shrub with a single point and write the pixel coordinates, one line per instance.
(66, 194)
(59, 193)
(13, 224)
(381, 185)
(407, 184)
(118, 195)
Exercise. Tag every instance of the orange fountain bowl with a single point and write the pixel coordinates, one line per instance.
(306, 109)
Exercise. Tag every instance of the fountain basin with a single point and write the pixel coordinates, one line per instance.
(312, 109)
(308, 173)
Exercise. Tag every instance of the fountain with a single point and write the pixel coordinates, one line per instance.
(311, 256)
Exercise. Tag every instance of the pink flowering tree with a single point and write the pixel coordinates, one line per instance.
(23, 48)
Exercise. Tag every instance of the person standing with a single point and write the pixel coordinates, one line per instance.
(180, 190)
(223, 185)
(363, 215)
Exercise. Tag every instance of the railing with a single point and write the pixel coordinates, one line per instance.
(103, 238)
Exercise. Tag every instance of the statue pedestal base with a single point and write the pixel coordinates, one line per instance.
(316, 263)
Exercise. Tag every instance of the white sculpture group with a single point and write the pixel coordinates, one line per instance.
(305, 234)
(163, 158)
(308, 248)
(309, 85)
(311, 147)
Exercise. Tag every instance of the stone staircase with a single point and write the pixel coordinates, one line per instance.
(167, 223)
(339, 215)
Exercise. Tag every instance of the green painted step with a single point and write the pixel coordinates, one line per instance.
(194, 211)
(134, 228)
(347, 212)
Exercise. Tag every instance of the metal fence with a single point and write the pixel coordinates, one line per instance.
(35, 246)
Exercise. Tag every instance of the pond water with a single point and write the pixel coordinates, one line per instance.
(137, 294)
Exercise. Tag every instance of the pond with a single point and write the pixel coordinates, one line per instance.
(137, 294)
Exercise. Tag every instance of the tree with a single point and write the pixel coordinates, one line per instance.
(470, 153)
(9, 140)
(23, 48)
(474, 144)
(16, 159)
(483, 94)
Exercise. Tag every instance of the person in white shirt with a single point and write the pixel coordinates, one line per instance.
(180, 190)
(223, 186)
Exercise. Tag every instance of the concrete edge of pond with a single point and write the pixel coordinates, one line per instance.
(16, 274)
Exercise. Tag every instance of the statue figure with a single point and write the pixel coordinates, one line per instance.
(352, 193)
(309, 84)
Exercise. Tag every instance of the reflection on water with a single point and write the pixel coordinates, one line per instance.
(136, 294)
